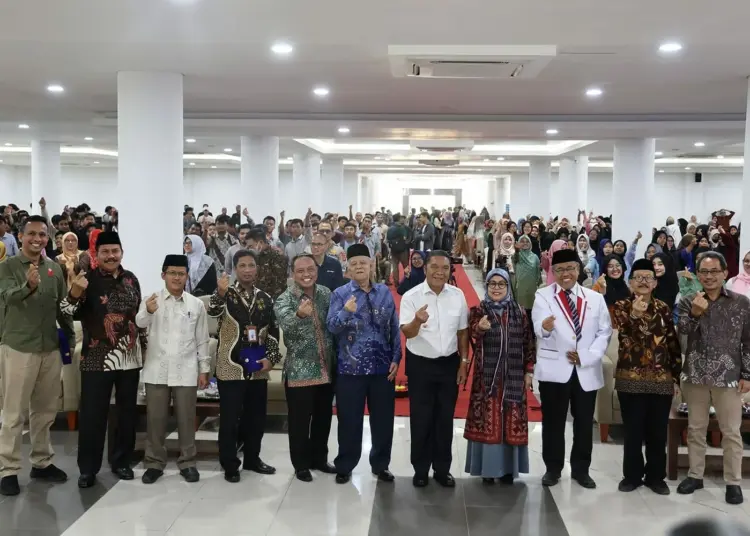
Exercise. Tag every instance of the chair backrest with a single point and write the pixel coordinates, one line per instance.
(213, 323)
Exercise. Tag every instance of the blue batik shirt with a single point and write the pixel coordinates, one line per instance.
(368, 340)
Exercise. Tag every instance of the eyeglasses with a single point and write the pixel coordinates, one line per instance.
(318, 245)
(710, 272)
(172, 273)
(497, 284)
(568, 270)
(644, 278)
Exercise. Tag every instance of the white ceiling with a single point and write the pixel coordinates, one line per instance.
(234, 85)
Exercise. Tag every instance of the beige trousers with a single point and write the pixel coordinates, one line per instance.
(728, 404)
(29, 382)
(157, 410)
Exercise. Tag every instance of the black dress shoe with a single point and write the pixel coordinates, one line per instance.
(385, 476)
(446, 480)
(326, 468)
(232, 476)
(123, 473)
(342, 479)
(49, 473)
(190, 474)
(420, 481)
(9, 486)
(658, 486)
(734, 495)
(260, 467)
(86, 481)
(550, 479)
(584, 480)
(626, 486)
(488, 481)
(690, 485)
(507, 480)
(151, 475)
(305, 475)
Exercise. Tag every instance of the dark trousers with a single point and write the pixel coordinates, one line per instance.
(96, 394)
(351, 394)
(310, 415)
(242, 407)
(645, 418)
(433, 390)
(555, 398)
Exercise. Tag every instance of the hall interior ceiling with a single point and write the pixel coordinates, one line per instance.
(559, 80)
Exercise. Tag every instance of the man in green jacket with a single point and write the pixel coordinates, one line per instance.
(31, 288)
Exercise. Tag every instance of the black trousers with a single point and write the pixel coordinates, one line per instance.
(433, 390)
(645, 418)
(351, 394)
(555, 399)
(310, 415)
(242, 410)
(96, 394)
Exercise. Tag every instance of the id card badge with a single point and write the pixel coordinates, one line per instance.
(251, 334)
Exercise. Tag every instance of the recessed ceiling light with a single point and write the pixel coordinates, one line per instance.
(378, 158)
(23, 126)
(661, 171)
(658, 153)
(55, 88)
(344, 130)
(670, 47)
(189, 140)
(501, 158)
(9, 145)
(192, 163)
(594, 92)
(88, 138)
(213, 167)
(1, 161)
(321, 91)
(228, 150)
(387, 159)
(282, 49)
(96, 161)
(699, 144)
(486, 159)
(720, 156)
(688, 168)
(552, 131)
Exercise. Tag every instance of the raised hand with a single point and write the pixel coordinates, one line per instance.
(79, 285)
(602, 282)
(484, 324)
(305, 309)
(638, 236)
(407, 271)
(223, 285)
(282, 214)
(42, 202)
(639, 306)
(700, 304)
(245, 212)
(151, 304)
(32, 277)
(422, 315)
(351, 305)
(549, 323)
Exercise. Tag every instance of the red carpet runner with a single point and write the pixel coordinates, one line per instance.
(402, 404)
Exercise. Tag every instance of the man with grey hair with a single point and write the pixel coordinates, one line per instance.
(716, 371)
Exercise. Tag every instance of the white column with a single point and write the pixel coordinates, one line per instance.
(568, 188)
(306, 185)
(499, 197)
(633, 190)
(150, 170)
(259, 177)
(333, 185)
(351, 189)
(540, 188)
(365, 186)
(582, 183)
(45, 176)
(744, 214)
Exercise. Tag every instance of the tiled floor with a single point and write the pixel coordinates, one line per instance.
(280, 505)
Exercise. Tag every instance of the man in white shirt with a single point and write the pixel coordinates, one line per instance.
(573, 328)
(176, 365)
(435, 321)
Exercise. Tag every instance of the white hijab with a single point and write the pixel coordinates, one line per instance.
(587, 255)
(198, 262)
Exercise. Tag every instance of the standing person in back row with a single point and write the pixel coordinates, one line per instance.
(398, 241)
(435, 322)
(424, 237)
(31, 288)
(573, 328)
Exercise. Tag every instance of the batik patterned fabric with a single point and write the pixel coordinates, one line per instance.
(649, 359)
(310, 355)
(107, 309)
(718, 346)
(217, 249)
(273, 268)
(368, 340)
(236, 311)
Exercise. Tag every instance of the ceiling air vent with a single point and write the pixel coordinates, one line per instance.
(439, 163)
(442, 146)
(470, 62)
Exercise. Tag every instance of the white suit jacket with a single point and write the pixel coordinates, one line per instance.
(552, 364)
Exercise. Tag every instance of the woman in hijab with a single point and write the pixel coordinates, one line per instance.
(611, 284)
(741, 282)
(667, 283)
(660, 238)
(202, 280)
(504, 252)
(594, 237)
(504, 355)
(88, 258)
(651, 250)
(556, 246)
(587, 257)
(528, 275)
(606, 248)
(534, 234)
(414, 274)
(70, 258)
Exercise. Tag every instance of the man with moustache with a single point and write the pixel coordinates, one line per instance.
(106, 301)
(363, 319)
(573, 327)
(31, 289)
(301, 312)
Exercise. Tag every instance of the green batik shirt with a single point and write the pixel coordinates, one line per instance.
(310, 355)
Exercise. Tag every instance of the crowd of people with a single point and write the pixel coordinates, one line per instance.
(318, 286)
